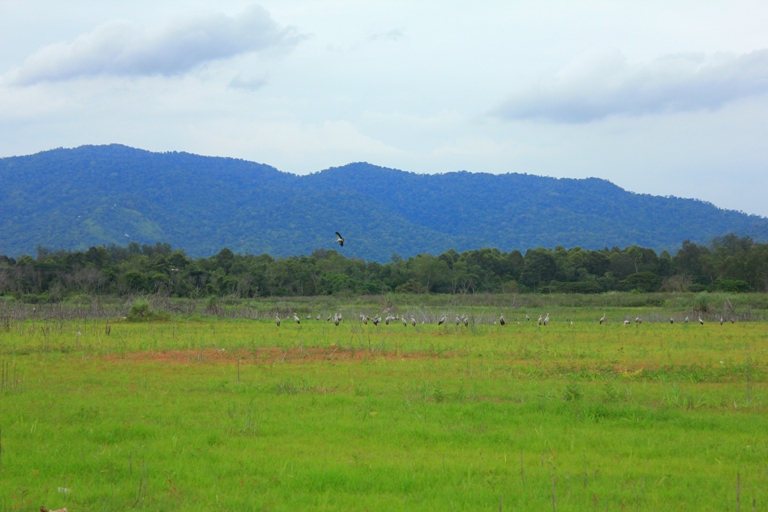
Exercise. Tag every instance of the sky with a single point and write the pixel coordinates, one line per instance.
(660, 97)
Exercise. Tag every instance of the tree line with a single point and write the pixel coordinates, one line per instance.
(730, 263)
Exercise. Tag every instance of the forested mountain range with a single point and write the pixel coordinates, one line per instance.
(99, 195)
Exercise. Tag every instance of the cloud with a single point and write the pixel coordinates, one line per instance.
(599, 85)
(124, 49)
(392, 35)
(248, 84)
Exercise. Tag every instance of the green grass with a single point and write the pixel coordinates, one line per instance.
(243, 415)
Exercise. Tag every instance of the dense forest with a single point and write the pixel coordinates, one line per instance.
(730, 263)
(100, 195)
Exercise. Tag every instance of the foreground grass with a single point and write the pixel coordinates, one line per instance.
(243, 415)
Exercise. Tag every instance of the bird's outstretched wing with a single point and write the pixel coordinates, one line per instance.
(341, 239)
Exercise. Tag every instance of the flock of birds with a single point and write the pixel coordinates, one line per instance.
(542, 321)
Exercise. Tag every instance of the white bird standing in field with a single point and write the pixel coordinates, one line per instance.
(441, 321)
(405, 322)
(277, 320)
(701, 322)
(602, 319)
(627, 322)
(502, 321)
(466, 321)
(721, 320)
(638, 320)
(413, 321)
(527, 318)
(296, 318)
(541, 320)
(546, 319)
(336, 322)
(672, 320)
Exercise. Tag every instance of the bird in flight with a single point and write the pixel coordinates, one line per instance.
(339, 239)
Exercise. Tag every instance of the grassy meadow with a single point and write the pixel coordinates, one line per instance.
(214, 413)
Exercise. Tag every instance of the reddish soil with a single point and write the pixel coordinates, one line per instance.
(267, 355)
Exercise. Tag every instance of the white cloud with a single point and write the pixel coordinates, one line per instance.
(124, 49)
(392, 35)
(248, 84)
(598, 85)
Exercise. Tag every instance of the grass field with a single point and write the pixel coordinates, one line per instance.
(213, 414)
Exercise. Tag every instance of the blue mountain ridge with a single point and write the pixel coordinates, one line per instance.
(95, 195)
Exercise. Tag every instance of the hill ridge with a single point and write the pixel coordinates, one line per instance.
(97, 194)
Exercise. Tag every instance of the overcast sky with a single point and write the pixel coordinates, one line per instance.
(666, 97)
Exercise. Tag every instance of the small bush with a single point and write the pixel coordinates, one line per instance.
(142, 312)
(701, 302)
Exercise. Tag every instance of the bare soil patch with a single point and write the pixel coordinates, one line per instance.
(269, 355)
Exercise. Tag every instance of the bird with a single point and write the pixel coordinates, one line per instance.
(700, 320)
(638, 320)
(721, 320)
(527, 318)
(441, 321)
(365, 320)
(602, 319)
(296, 318)
(466, 321)
(318, 317)
(339, 239)
(541, 320)
(546, 319)
(626, 322)
(672, 320)
(277, 320)
(413, 321)
(502, 321)
(328, 319)
(336, 321)
(686, 319)
(458, 320)
(309, 317)
(405, 322)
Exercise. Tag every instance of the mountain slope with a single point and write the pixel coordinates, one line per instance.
(93, 195)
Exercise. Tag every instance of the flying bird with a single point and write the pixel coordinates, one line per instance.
(339, 239)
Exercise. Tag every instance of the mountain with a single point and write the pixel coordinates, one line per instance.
(94, 195)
